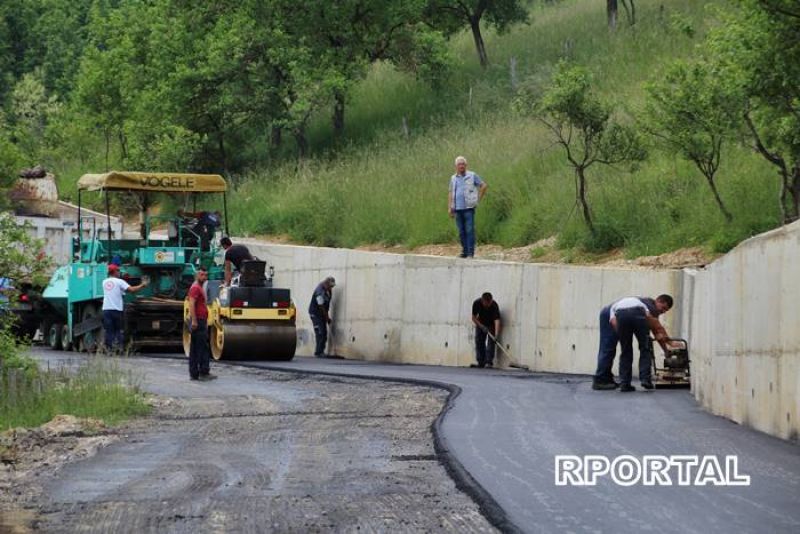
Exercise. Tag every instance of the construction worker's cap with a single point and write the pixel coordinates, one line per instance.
(113, 268)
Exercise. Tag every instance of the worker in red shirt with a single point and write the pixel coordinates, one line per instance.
(199, 350)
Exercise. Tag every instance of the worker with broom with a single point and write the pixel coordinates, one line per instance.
(486, 318)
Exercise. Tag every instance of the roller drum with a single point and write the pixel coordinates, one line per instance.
(254, 340)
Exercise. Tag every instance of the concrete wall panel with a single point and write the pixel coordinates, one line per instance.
(739, 315)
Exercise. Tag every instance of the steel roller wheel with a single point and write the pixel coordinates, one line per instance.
(253, 340)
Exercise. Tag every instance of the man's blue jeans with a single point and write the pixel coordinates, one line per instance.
(465, 221)
(632, 323)
(608, 348)
(199, 350)
(484, 347)
(321, 335)
(112, 323)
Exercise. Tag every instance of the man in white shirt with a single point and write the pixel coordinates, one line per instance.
(630, 311)
(114, 289)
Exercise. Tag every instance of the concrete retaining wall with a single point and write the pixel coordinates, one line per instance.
(416, 309)
(745, 333)
(740, 315)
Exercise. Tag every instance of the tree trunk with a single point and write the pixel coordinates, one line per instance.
(587, 214)
(475, 24)
(123, 145)
(338, 113)
(794, 212)
(630, 11)
(611, 11)
(222, 154)
(275, 137)
(722, 208)
(302, 142)
(108, 146)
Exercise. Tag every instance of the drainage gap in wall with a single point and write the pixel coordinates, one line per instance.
(445, 344)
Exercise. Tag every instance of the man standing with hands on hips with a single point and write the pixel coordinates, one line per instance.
(199, 350)
(466, 190)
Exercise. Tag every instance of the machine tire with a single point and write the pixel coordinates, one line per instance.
(89, 341)
(66, 337)
(54, 336)
(44, 327)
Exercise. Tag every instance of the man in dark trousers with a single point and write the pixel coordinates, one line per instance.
(114, 289)
(486, 318)
(199, 351)
(630, 312)
(320, 312)
(234, 256)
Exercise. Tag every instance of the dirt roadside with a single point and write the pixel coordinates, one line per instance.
(544, 251)
(253, 451)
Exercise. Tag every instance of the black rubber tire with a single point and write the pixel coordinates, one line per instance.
(66, 337)
(44, 327)
(54, 336)
(89, 341)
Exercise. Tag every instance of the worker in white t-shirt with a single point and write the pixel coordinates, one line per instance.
(114, 289)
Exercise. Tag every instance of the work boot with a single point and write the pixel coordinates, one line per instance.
(604, 386)
(490, 365)
(626, 388)
(646, 384)
(207, 377)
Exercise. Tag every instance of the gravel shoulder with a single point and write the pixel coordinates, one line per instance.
(253, 451)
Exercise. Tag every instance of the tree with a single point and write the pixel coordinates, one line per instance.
(693, 110)
(612, 10)
(452, 15)
(757, 51)
(583, 126)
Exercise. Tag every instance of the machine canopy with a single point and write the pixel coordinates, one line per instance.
(153, 181)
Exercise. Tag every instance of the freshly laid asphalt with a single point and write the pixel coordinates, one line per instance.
(506, 427)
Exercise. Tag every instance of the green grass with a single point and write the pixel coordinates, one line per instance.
(377, 185)
(383, 187)
(99, 390)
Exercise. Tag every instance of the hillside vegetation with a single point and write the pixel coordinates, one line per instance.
(702, 94)
(386, 187)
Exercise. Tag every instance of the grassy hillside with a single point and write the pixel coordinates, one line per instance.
(379, 185)
(384, 187)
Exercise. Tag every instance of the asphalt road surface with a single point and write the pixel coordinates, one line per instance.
(499, 437)
(258, 451)
(506, 428)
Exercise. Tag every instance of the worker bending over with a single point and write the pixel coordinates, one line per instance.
(320, 311)
(619, 323)
(234, 256)
(486, 318)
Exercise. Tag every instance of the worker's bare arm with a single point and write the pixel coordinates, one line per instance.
(228, 273)
(482, 190)
(193, 312)
(135, 289)
(497, 327)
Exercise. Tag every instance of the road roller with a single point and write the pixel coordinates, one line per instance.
(250, 319)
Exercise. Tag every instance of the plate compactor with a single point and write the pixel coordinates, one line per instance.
(675, 372)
